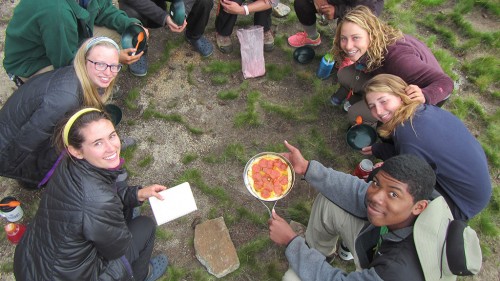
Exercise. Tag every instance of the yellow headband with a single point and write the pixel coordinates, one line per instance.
(72, 120)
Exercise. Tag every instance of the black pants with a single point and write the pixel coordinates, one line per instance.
(306, 12)
(152, 14)
(224, 22)
(143, 239)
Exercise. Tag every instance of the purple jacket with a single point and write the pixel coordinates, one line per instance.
(411, 60)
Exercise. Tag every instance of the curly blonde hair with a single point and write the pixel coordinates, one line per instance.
(381, 36)
(91, 96)
(388, 83)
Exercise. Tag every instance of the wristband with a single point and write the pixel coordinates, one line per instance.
(245, 7)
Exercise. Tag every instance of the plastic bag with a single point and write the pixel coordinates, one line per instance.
(252, 51)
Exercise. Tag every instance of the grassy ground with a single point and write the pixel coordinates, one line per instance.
(462, 34)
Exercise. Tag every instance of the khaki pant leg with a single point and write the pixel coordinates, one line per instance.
(43, 70)
(327, 222)
(104, 31)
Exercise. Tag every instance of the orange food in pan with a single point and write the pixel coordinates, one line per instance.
(270, 177)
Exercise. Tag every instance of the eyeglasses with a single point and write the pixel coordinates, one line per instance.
(102, 66)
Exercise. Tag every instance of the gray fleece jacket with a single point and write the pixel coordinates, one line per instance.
(396, 257)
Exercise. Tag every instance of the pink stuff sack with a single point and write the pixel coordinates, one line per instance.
(252, 51)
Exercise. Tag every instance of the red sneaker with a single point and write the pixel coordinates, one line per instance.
(300, 39)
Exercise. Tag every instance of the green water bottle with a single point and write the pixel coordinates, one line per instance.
(178, 11)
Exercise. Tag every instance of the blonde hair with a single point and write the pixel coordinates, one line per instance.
(391, 84)
(380, 34)
(91, 96)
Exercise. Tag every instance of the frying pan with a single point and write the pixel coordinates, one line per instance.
(130, 40)
(114, 112)
(360, 135)
(247, 176)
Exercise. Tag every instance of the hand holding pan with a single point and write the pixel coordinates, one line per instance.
(268, 176)
(360, 135)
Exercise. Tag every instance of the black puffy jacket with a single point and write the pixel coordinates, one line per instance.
(28, 119)
(79, 231)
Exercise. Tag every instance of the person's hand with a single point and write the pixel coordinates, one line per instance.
(148, 191)
(126, 56)
(327, 10)
(296, 159)
(319, 3)
(367, 150)
(232, 7)
(174, 27)
(378, 165)
(279, 230)
(147, 32)
(415, 93)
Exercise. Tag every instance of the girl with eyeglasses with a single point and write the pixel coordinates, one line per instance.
(29, 116)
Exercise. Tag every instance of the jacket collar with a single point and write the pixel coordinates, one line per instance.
(398, 235)
(107, 175)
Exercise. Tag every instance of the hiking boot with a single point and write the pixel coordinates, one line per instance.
(268, 41)
(140, 67)
(300, 39)
(224, 43)
(202, 46)
(344, 252)
(339, 96)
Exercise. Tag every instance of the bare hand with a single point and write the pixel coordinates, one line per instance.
(366, 150)
(174, 27)
(327, 10)
(232, 7)
(126, 56)
(296, 159)
(319, 3)
(146, 30)
(148, 191)
(378, 165)
(415, 93)
(279, 230)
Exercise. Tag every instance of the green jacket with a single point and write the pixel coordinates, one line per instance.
(43, 33)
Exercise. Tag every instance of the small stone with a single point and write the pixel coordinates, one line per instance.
(281, 10)
(214, 248)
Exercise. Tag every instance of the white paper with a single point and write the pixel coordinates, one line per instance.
(177, 202)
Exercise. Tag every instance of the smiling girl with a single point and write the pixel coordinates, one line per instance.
(29, 116)
(435, 135)
(80, 231)
(364, 46)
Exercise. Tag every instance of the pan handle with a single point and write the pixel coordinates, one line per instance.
(269, 210)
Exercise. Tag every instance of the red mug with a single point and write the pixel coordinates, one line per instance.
(363, 169)
(15, 232)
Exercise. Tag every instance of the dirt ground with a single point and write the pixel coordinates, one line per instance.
(175, 89)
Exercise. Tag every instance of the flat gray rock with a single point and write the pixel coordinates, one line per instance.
(214, 248)
(281, 10)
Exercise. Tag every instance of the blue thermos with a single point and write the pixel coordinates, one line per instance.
(325, 67)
